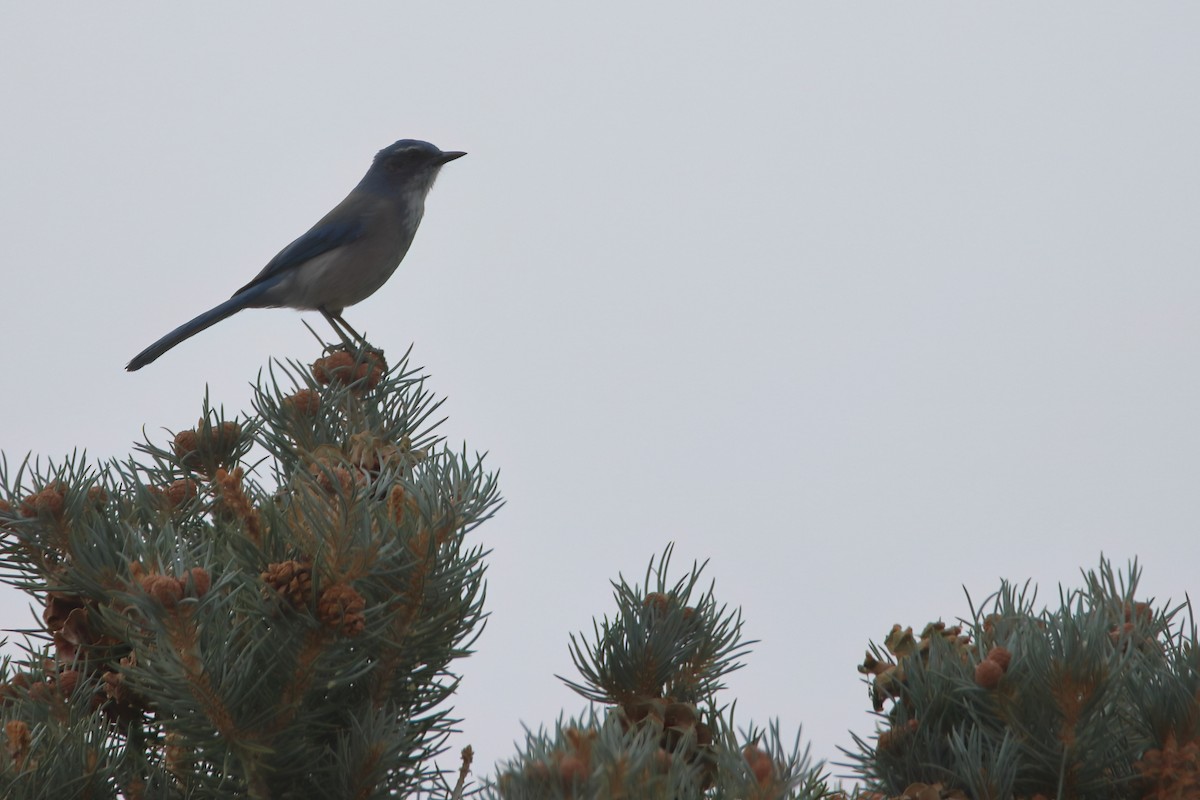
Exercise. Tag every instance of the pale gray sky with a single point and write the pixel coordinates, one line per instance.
(864, 302)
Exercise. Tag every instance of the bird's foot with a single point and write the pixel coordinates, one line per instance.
(360, 351)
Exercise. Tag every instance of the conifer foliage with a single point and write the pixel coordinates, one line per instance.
(656, 671)
(266, 606)
(1096, 697)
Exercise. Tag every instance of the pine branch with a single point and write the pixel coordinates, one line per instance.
(284, 627)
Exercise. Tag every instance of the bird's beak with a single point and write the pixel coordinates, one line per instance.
(450, 156)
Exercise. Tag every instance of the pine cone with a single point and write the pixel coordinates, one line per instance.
(207, 447)
(336, 367)
(197, 580)
(59, 606)
(123, 703)
(988, 673)
(373, 368)
(760, 763)
(303, 403)
(17, 733)
(341, 607)
(166, 590)
(179, 492)
(185, 444)
(97, 496)
(49, 501)
(344, 368)
(332, 477)
(1001, 656)
(292, 580)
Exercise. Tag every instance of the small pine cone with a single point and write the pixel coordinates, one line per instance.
(5, 507)
(372, 369)
(207, 446)
(760, 763)
(67, 680)
(1140, 612)
(226, 435)
(680, 715)
(988, 673)
(113, 684)
(337, 367)
(636, 710)
(97, 496)
(17, 734)
(223, 444)
(341, 607)
(334, 478)
(658, 601)
(900, 641)
(186, 448)
(166, 590)
(73, 636)
(47, 502)
(303, 403)
(293, 581)
(1001, 656)
(197, 582)
(179, 492)
(894, 738)
(65, 650)
(873, 666)
(572, 770)
(58, 609)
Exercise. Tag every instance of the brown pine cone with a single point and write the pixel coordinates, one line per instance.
(303, 403)
(292, 579)
(342, 607)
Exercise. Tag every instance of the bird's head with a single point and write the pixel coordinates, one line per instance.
(408, 165)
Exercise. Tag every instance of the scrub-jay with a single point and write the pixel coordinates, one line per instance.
(346, 256)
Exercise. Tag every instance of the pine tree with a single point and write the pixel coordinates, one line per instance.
(266, 606)
(272, 606)
(1096, 697)
(657, 729)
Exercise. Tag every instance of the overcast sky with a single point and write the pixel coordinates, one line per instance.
(863, 302)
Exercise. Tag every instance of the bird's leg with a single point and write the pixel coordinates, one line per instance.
(332, 320)
(353, 332)
(339, 324)
(367, 347)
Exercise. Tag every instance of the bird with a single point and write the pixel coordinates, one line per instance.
(346, 256)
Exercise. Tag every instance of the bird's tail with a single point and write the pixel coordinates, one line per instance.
(189, 329)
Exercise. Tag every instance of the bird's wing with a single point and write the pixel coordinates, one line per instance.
(323, 237)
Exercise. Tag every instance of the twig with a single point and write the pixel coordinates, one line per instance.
(468, 755)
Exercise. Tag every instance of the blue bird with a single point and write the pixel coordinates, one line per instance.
(345, 257)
